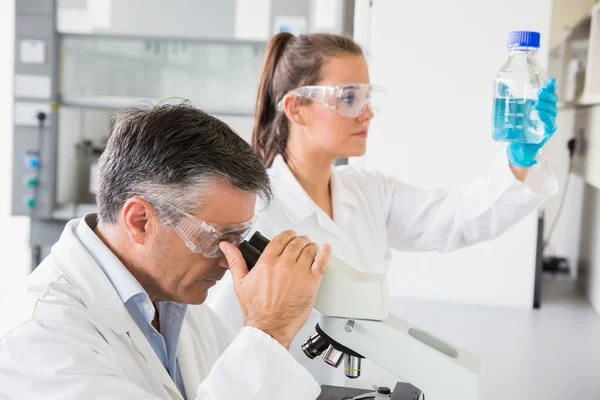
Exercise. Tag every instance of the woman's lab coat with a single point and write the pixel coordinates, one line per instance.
(374, 213)
(67, 335)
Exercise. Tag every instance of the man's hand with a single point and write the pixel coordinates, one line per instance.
(279, 293)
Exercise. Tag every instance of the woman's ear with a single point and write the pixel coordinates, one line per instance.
(292, 105)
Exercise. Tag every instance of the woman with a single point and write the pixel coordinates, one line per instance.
(315, 103)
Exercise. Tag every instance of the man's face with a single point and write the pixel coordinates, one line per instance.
(175, 273)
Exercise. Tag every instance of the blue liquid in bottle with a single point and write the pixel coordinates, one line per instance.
(515, 118)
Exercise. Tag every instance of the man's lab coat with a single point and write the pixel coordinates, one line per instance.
(67, 335)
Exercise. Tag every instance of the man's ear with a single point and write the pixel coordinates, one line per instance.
(292, 105)
(137, 215)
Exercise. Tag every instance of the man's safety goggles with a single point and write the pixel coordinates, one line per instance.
(202, 237)
(349, 100)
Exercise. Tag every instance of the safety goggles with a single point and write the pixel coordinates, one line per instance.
(349, 100)
(202, 237)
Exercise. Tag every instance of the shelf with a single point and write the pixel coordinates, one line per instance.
(581, 43)
(584, 101)
(198, 40)
(119, 102)
(592, 82)
(577, 31)
(580, 81)
(590, 100)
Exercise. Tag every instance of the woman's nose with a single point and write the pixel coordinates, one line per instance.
(366, 114)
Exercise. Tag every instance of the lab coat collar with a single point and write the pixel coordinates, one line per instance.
(103, 301)
(298, 205)
(96, 291)
(343, 196)
(122, 280)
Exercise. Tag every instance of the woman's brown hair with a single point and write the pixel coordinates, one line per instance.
(290, 62)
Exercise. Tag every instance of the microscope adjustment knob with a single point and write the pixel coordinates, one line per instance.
(383, 390)
(349, 326)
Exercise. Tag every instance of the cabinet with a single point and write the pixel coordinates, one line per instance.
(575, 62)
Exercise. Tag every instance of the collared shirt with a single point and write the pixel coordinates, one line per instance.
(137, 302)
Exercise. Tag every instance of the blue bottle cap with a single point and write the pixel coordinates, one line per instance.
(524, 39)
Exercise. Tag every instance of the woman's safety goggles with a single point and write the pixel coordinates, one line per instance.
(202, 237)
(349, 100)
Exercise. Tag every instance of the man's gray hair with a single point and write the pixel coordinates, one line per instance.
(172, 153)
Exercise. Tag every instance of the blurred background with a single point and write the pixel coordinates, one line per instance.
(528, 301)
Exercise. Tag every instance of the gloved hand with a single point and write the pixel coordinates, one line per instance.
(523, 154)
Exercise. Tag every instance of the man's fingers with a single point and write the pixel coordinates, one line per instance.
(278, 244)
(236, 262)
(319, 266)
(295, 247)
(309, 253)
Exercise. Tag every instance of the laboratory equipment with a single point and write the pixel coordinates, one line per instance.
(516, 89)
(402, 391)
(356, 322)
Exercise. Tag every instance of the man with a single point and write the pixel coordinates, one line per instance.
(106, 315)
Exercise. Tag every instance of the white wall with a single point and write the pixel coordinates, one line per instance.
(438, 58)
(14, 232)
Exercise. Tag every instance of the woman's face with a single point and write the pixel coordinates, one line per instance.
(329, 131)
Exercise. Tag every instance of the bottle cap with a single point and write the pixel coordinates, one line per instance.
(524, 39)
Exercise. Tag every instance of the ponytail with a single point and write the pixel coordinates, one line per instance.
(269, 135)
(290, 62)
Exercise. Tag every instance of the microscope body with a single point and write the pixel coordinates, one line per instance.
(441, 371)
(356, 324)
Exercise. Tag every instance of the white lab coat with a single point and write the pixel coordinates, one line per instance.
(67, 335)
(374, 213)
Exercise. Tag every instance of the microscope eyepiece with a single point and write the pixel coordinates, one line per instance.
(253, 248)
(259, 241)
(250, 254)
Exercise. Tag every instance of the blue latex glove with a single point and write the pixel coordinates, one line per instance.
(523, 154)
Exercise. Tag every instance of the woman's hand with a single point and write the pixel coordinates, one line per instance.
(522, 155)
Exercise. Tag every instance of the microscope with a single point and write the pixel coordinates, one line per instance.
(356, 325)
